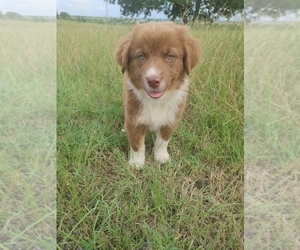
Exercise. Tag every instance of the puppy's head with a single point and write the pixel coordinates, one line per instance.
(158, 56)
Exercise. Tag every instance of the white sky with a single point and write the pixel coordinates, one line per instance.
(29, 7)
(93, 8)
(73, 7)
(82, 8)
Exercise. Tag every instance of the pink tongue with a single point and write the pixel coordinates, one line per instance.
(156, 94)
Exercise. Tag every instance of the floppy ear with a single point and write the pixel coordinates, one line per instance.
(122, 53)
(192, 53)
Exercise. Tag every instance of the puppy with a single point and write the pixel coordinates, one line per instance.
(157, 59)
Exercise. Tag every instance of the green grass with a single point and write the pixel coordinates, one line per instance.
(27, 135)
(194, 202)
(272, 136)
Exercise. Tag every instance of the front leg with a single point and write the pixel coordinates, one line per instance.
(163, 137)
(136, 137)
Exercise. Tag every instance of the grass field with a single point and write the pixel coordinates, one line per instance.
(272, 136)
(194, 202)
(27, 135)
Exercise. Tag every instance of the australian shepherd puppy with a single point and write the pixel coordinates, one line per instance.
(156, 58)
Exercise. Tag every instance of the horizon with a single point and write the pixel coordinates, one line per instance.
(101, 9)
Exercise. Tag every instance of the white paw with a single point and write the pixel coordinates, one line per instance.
(161, 155)
(137, 158)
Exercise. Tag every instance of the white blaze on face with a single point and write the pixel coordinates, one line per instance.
(151, 74)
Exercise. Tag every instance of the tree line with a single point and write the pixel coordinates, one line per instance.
(272, 8)
(186, 10)
(207, 10)
(11, 15)
(194, 10)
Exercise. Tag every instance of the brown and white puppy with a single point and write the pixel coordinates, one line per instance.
(156, 59)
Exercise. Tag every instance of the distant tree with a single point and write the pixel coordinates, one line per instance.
(178, 9)
(64, 15)
(136, 8)
(187, 10)
(272, 8)
(204, 10)
(1, 15)
(80, 19)
(13, 15)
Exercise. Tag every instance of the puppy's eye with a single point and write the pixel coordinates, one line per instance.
(141, 57)
(170, 57)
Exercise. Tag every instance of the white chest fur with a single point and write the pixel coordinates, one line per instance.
(156, 113)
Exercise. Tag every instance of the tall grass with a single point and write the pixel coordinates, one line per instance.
(27, 135)
(272, 136)
(194, 202)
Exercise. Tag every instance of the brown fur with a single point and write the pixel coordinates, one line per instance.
(158, 42)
